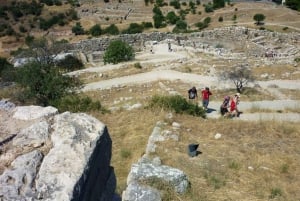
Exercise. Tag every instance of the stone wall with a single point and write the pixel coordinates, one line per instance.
(54, 156)
(252, 42)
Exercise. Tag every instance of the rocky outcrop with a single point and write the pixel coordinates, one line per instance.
(56, 157)
(149, 170)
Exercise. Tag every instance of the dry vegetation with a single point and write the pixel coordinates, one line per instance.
(251, 161)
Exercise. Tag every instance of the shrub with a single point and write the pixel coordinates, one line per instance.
(177, 104)
(147, 25)
(175, 4)
(74, 103)
(77, 29)
(209, 8)
(220, 19)
(172, 18)
(134, 28)
(44, 83)
(138, 65)
(70, 63)
(118, 51)
(275, 192)
(95, 30)
(112, 30)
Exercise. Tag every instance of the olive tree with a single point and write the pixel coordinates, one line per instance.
(239, 75)
(41, 79)
(118, 51)
(259, 18)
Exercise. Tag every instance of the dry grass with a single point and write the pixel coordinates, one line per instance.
(277, 72)
(224, 169)
(249, 162)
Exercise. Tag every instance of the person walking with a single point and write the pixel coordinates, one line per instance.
(234, 112)
(205, 97)
(192, 94)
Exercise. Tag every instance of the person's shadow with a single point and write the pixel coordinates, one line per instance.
(209, 110)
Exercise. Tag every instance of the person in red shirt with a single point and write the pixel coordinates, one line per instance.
(233, 105)
(205, 97)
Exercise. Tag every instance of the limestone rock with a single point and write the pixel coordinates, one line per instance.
(17, 183)
(33, 112)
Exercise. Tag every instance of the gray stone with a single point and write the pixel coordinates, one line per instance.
(33, 112)
(34, 136)
(71, 169)
(175, 177)
(137, 192)
(16, 183)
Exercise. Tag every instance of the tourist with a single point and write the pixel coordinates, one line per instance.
(234, 112)
(205, 97)
(225, 105)
(192, 93)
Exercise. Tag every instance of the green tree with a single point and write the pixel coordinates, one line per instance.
(218, 4)
(172, 18)
(259, 18)
(77, 29)
(44, 83)
(95, 30)
(41, 80)
(175, 4)
(293, 4)
(118, 51)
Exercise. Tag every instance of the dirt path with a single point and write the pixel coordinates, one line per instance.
(163, 57)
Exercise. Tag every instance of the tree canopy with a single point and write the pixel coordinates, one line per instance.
(259, 18)
(118, 51)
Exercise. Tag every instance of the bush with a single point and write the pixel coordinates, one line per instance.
(70, 63)
(175, 4)
(44, 83)
(112, 30)
(134, 28)
(118, 51)
(95, 30)
(147, 25)
(172, 18)
(74, 103)
(177, 104)
(220, 19)
(77, 29)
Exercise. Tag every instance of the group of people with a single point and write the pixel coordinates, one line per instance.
(206, 93)
(229, 107)
(230, 103)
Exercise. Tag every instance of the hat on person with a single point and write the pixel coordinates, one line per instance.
(237, 94)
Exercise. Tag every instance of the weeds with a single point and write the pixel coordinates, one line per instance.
(275, 192)
(234, 165)
(125, 153)
(284, 168)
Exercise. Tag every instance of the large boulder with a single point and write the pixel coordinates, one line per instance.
(56, 157)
